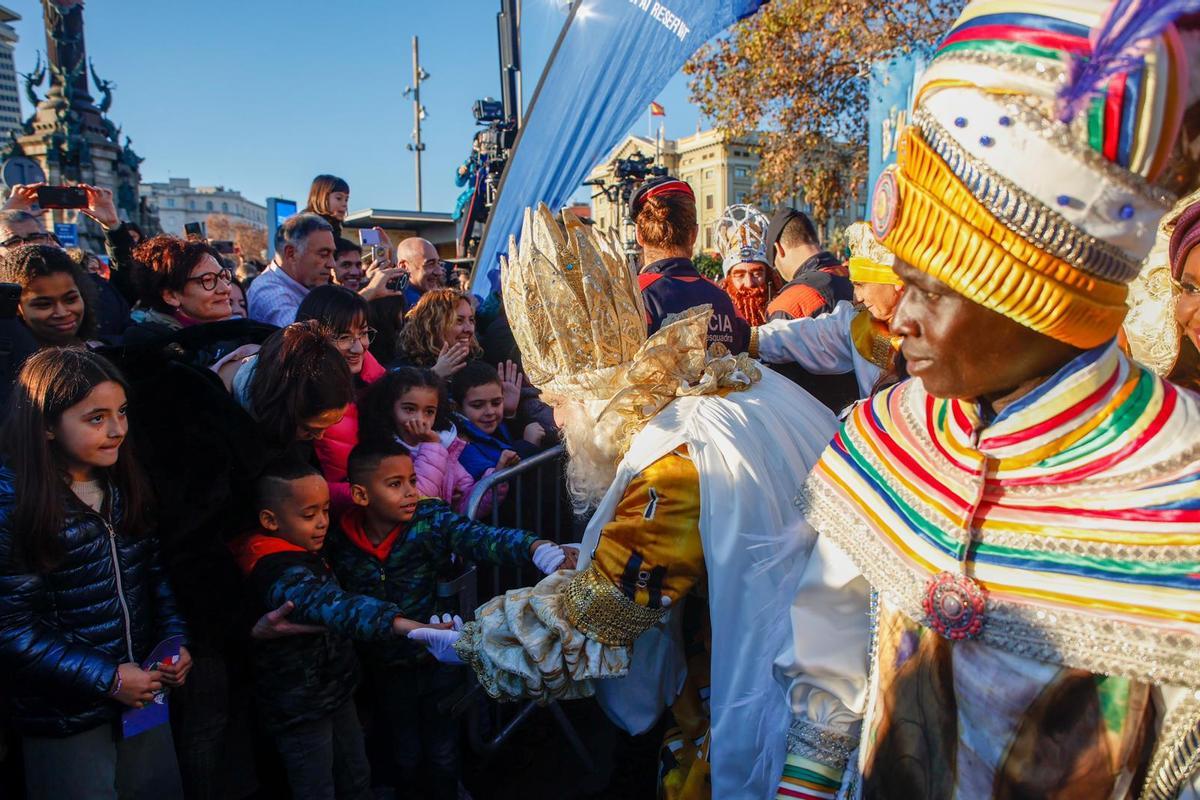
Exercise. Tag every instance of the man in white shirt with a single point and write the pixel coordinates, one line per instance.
(304, 260)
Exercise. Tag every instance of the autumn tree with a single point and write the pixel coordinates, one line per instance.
(797, 72)
(251, 241)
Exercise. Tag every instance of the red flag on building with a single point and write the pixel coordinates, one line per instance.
(657, 110)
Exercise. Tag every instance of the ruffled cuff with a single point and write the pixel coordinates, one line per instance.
(521, 645)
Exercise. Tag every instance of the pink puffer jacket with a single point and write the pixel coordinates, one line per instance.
(440, 475)
(333, 449)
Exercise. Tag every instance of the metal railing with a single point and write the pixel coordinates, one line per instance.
(533, 478)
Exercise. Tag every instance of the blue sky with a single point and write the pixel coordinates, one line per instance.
(260, 95)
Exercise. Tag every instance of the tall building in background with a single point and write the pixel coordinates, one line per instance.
(10, 103)
(69, 134)
(177, 203)
(719, 168)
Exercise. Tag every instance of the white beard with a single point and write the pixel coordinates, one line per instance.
(593, 454)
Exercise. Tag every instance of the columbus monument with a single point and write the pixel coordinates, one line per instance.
(69, 133)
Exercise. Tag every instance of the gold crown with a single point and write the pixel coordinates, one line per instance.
(870, 261)
(574, 306)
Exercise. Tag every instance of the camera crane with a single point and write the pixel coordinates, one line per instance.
(630, 173)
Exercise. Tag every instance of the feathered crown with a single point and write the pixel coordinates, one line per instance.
(574, 306)
(741, 235)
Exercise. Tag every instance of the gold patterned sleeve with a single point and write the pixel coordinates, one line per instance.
(553, 639)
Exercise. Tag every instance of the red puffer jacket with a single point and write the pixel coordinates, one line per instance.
(333, 449)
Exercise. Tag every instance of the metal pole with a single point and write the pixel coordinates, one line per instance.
(417, 146)
(520, 90)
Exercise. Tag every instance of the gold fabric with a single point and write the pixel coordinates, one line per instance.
(873, 340)
(600, 611)
(577, 315)
(870, 261)
(573, 304)
(942, 230)
(652, 548)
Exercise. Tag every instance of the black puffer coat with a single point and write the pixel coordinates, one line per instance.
(63, 634)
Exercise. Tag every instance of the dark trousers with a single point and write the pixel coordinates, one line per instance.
(325, 758)
(210, 716)
(407, 703)
(96, 765)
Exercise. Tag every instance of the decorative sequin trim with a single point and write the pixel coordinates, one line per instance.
(597, 608)
(1023, 65)
(1055, 637)
(816, 743)
(1024, 214)
(1062, 137)
(1177, 753)
(467, 647)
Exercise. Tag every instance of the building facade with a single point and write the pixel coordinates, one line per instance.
(719, 168)
(177, 203)
(10, 103)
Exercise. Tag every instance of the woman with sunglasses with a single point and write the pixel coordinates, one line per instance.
(346, 316)
(182, 283)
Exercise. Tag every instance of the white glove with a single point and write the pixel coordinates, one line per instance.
(440, 642)
(548, 557)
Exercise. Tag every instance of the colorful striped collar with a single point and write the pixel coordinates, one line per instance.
(1077, 509)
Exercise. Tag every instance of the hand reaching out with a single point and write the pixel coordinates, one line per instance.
(508, 459)
(275, 625)
(440, 640)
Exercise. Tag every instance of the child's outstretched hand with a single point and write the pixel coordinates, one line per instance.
(508, 459)
(439, 636)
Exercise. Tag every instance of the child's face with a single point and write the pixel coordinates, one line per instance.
(391, 492)
(303, 517)
(420, 404)
(484, 406)
(89, 433)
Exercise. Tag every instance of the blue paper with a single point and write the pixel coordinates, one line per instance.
(612, 58)
(140, 720)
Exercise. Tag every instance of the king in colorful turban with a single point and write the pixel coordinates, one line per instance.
(693, 462)
(1026, 509)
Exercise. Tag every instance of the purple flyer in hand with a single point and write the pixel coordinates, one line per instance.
(140, 720)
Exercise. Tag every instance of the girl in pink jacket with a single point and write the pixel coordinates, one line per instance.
(409, 405)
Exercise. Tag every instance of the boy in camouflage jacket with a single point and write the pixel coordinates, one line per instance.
(389, 546)
(305, 682)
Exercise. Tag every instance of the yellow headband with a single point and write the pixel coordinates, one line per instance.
(925, 215)
(866, 270)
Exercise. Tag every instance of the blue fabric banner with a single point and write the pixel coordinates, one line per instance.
(612, 58)
(889, 99)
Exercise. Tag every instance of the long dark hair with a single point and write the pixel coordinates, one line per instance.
(387, 317)
(377, 423)
(51, 381)
(299, 374)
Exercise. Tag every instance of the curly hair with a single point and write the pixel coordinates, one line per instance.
(425, 326)
(165, 262)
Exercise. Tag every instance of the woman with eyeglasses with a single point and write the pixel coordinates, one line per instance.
(346, 316)
(182, 283)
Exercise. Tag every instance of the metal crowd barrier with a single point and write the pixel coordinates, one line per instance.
(527, 506)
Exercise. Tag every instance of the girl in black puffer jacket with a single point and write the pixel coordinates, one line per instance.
(83, 598)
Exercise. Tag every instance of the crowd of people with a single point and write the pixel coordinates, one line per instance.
(907, 521)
